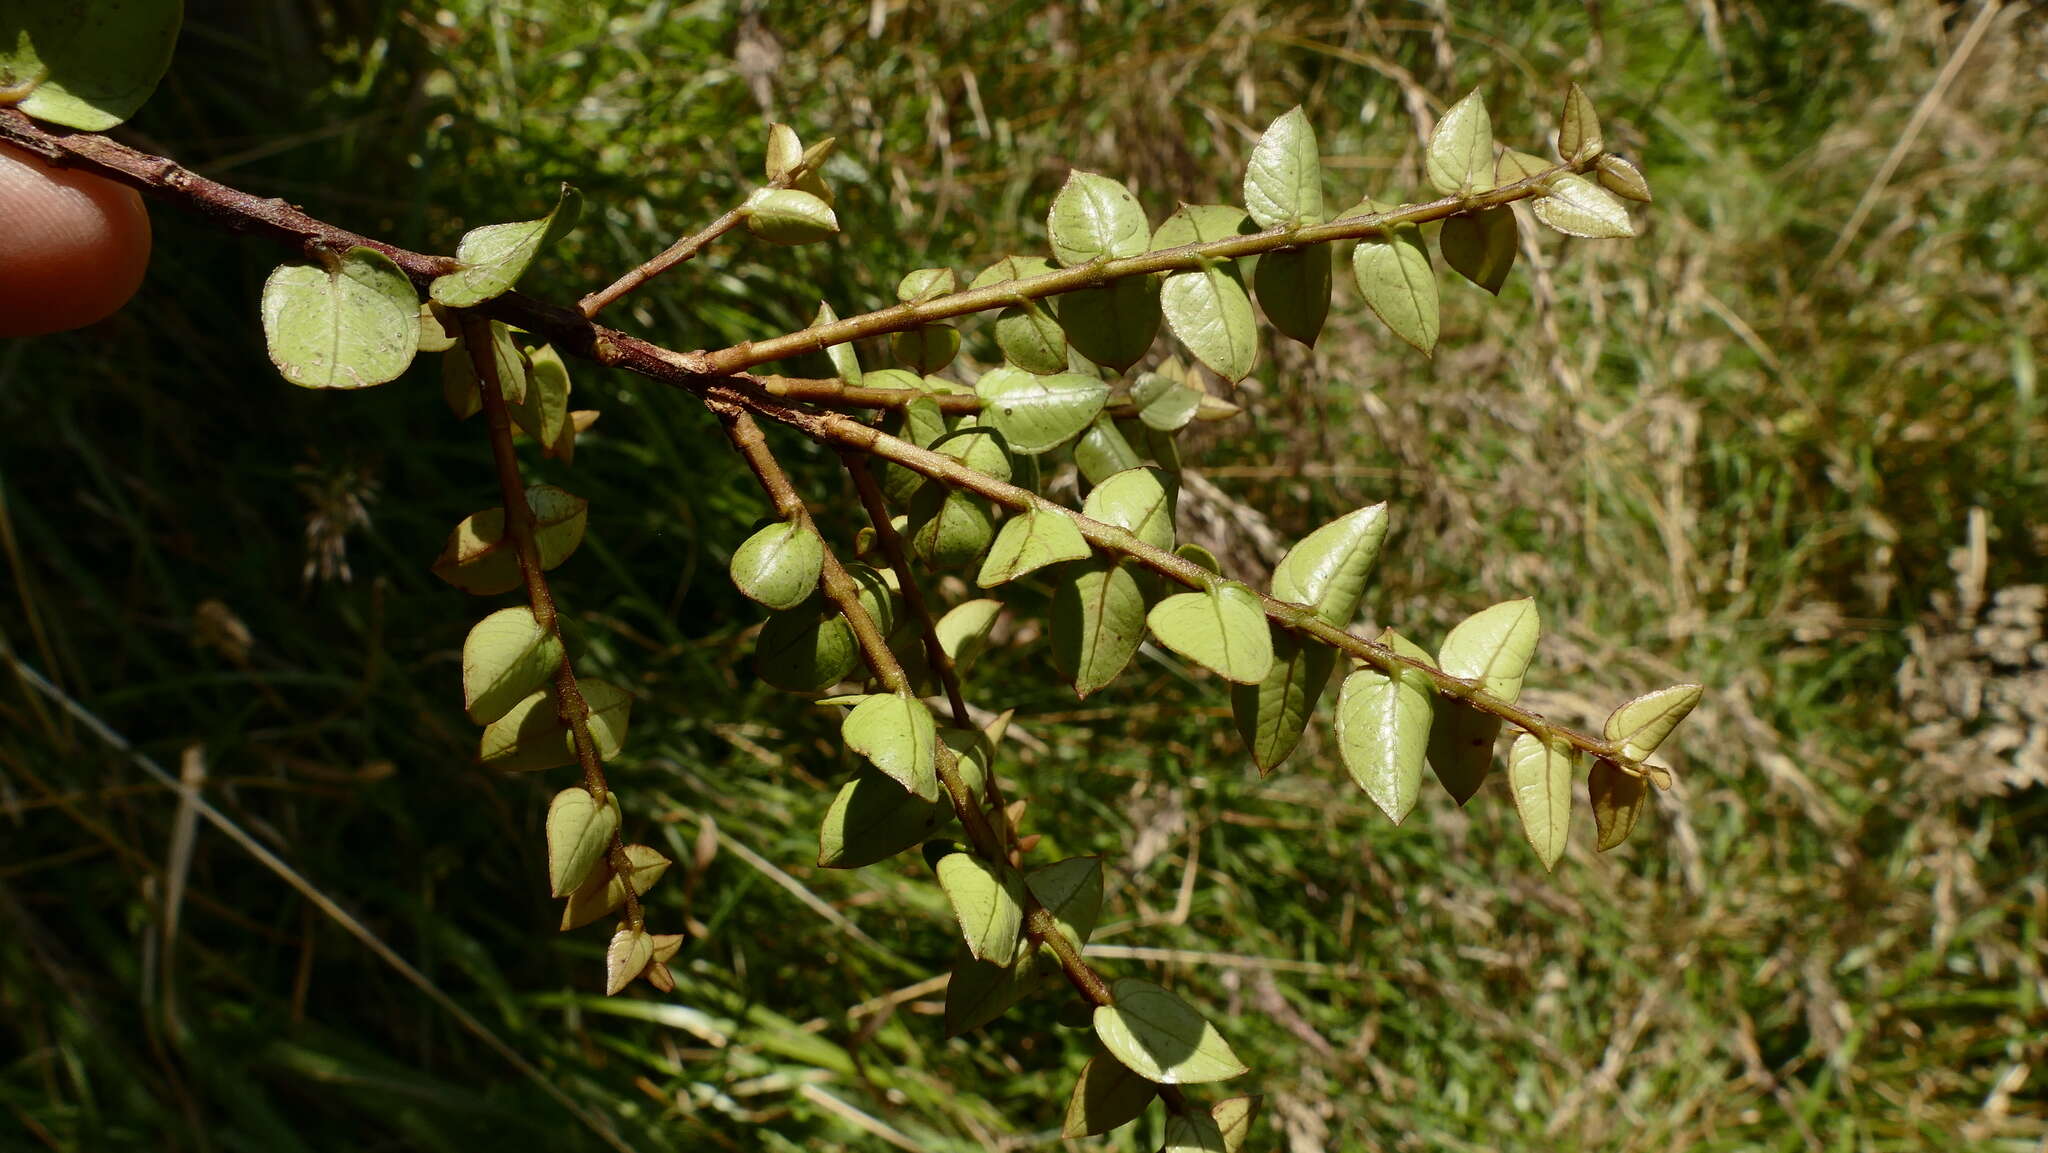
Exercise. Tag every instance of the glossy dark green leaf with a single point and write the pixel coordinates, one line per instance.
(1038, 413)
(1095, 218)
(1113, 325)
(85, 65)
(1272, 714)
(505, 658)
(479, 557)
(899, 738)
(530, 736)
(495, 256)
(350, 320)
(1283, 183)
(1540, 775)
(1383, 727)
(1162, 1038)
(1399, 286)
(1222, 629)
(988, 903)
(1071, 890)
(1211, 315)
(790, 216)
(1481, 247)
(579, 834)
(605, 891)
(1107, 1096)
(778, 566)
(1459, 158)
(1618, 798)
(1098, 618)
(1293, 286)
(1643, 723)
(1137, 499)
(1029, 542)
(1578, 207)
(1327, 569)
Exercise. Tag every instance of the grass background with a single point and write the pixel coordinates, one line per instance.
(1755, 447)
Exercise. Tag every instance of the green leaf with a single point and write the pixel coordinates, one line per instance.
(779, 565)
(1166, 402)
(978, 444)
(1398, 285)
(85, 65)
(1161, 1038)
(988, 901)
(1028, 333)
(1197, 555)
(504, 659)
(1283, 184)
(1107, 1096)
(1623, 178)
(1233, 1117)
(579, 833)
(1493, 646)
(922, 284)
(1136, 499)
(1383, 727)
(1192, 1133)
(350, 321)
(963, 631)
(1098, 618)
(845, 363)
(458, 372)
(1578, 127)
(1095, 218)
(898, 736)
(926, 349)
(1293, 286)
(1481, 247)
(626, 958)
(1459, 159)
(923, 423)
(1038, 413)
(1540, 774)
(1618, 797)
(981, 991)
(1210, 314)
(1578, 207)
(1514, 167)
(479, 557)
(1113, 325)
(1642, 724)
(1071, 890)
(1028, 543)
(438, 330)
(1272, 714)
(530, 737)
(1223, 629)
(543, 413)
(805, 649)
(950, 528)
(1199, 224)
(604, 891)
(789, 216)
(1327, 569)
(495, 256)
(785, 151)
(1102, 452)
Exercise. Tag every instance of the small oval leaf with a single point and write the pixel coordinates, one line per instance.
(1618, 798)
(898, 737)
(86, 66)
(779, 565)
(1136, 499)
(350, 321)
(530, 736)
(1113, 325)
(1624, 179)
(1211, 315)
(1328, 568)
(1028, 543)
(1071, 890)
(1399, 286)
(1161, 1038)
(1482, 247)
(1095, 218)
(1283, 182)
(790, 216)
(1293, 286)
(495, 256)
(1642, 724)
(989, 904)
(479, 557)
(1540, 774)
(579, 833)
(1272, 714)
(1098, 618)
(1223, 629)
(604, 891)
(1459, 159)
(1578, 207)
(1383, 729)
(505, 658)
(1038, 413)
(626, 958)
(1107, 1096)
(1578, 127)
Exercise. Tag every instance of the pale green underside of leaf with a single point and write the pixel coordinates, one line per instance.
(579, 831)
(479, 557)
(1578, 131)
(1459, 158)
(1540, 775)
(1136, 499)
(495, 256)
(1395, 278)
(1494, 646)
(1211, 315)
(1642, 724)
(1223, 629)
(506, 657)
(1162, 1038)
(86, 65)
(1028, 543)
(1579, 207)
(987, 902)
(530, 736)
(605, 892)
(626, 958)
(1383, 730)
(1283, 182)
(779, 565)
(1198, 224)
(1098, 618)
(1038, 413)
(353, 322)
(899, 738)
(790, 216)
(963, 631)
(1094, 218)
(1327, 569)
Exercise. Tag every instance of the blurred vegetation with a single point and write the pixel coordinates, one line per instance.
(1741, 449)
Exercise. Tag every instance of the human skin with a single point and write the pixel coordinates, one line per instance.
(72, 246)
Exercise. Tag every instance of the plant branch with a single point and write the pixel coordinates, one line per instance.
(838, 394)
(570, 707)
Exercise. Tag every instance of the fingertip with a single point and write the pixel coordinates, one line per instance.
(73, 248)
